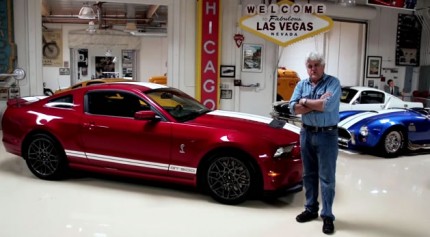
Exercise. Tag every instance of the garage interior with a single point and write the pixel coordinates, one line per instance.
(375, 197)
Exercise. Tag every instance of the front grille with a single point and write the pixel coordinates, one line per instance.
(344, 137)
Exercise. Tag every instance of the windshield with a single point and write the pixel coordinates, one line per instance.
(347, 95)
(178, 104)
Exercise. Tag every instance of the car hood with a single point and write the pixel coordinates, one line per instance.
(344, 106)
(368, 117)
(255, 125)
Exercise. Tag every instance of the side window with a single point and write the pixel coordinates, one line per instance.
(114, 103)
(372, 97)
(64, 102)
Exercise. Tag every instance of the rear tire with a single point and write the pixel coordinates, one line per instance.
(229, 179)
(45, 157)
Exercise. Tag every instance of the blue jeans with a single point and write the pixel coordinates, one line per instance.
(319, 154)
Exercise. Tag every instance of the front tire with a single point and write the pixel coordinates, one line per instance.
(229, 179)
(392, 143)
(45, 157)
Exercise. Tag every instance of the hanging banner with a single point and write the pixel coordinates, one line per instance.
(7, 44)
(208, 52)
(285, 23)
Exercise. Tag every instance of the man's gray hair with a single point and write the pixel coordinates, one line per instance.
(315, 56)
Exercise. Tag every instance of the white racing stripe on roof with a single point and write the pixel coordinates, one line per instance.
(146, 84)
(253, 117)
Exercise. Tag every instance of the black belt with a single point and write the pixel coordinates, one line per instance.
(319, 129)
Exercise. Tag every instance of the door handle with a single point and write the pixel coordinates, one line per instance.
(89, 125)
(18, 74)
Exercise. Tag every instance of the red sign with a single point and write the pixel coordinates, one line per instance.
(209, 53)
(239, 38)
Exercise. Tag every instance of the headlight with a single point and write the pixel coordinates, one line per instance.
(364, 131)
(288, 151)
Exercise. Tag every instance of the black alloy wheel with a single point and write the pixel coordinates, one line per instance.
(229, 179)
(45, 158)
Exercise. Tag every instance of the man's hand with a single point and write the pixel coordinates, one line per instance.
(326, 95)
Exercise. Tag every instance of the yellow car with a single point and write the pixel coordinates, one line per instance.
(92, 82)
(287, 80)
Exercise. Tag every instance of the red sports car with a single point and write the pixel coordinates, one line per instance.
(154, 132)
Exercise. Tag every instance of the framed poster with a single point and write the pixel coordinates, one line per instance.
(373, 66)
(105, 67)
(52, 48)
(227, 71)
(404, 5)
(408, 42)
(226, 94)
(252, 58)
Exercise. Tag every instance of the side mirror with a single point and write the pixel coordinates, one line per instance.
(146, 115)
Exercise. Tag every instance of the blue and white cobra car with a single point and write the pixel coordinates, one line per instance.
(386, 132)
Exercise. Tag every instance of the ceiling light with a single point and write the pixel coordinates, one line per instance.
(86, 12)
(347, 3)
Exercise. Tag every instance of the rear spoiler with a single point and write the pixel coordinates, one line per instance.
(25, 100)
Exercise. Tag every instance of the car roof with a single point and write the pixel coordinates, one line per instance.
(360, 88)
(143, 86)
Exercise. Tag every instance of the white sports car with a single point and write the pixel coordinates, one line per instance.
(366, 98)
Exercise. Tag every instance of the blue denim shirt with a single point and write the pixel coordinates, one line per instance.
(330, 115)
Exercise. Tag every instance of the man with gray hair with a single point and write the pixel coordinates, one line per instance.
(317, 99)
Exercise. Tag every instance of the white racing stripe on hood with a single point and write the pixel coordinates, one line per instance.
(348, 122)
(253, 117)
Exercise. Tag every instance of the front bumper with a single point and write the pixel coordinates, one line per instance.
(294, 188)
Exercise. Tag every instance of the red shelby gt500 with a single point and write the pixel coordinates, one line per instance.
(154, 132)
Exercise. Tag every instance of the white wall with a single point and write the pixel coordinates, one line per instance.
(153, 57)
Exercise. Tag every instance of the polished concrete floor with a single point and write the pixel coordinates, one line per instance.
(375, 198)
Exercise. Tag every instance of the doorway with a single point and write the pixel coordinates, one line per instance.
(343, 47)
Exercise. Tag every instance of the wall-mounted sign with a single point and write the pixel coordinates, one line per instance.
(208, 50)
(285, 23)
(7, 45)
(402, 4)
(238, 39)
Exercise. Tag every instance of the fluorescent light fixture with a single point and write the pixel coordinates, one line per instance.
(86, 12)
(145, 33)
